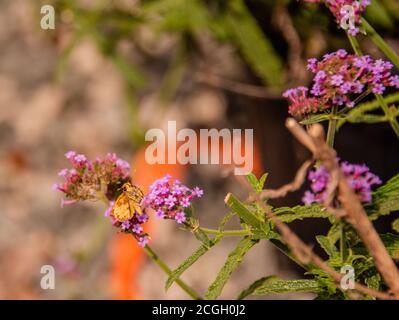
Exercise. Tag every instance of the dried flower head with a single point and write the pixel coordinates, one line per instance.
(169, 198)
(300, 103)
(358, 176)
(86, 178)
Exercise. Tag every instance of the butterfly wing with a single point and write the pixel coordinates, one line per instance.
(135, 195)
(121, 209)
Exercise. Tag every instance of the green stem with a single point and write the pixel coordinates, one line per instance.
(391, 118)
(332, 127)
(342, 242)
(158, 260)
(166, 269)
(227, 232)
(384, 106)
(380, 43)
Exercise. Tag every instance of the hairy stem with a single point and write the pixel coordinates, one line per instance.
(342, 242)
(227, 232)
(332, 127)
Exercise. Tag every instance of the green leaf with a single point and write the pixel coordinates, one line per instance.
(312, 119)
(275, 285)
(233, 261)
(287, 214)
(385, 199)
(243, 212)
(328, 246)
(256, 184)
(250, 290)
(186, 264)
(334, 233)
(253, 181)
(391, 242)
(395, 225)
(374, 281)
(255, 47)
(262, 181)
(355, 113)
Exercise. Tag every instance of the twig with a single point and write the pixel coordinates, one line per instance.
(283, 22)
(289, 187)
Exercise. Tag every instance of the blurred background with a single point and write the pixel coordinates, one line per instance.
(109, 71)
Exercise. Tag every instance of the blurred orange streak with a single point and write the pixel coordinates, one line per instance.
(126, 256)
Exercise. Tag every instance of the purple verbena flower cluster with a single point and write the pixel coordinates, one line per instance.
(132, 226)
(300, 103)
(358, 176)
(339, 8)
(340, 78)
(86, 177)
(168, 198)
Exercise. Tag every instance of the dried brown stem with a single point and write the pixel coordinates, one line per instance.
(289, 187)
(355, 214)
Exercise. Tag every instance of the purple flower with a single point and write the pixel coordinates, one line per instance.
(159, 213)
(180, 217)
(107, 212)
(168, 198)
(137, 229)
(143, 241)
(339, 78)
(125, 225)
(358, 176)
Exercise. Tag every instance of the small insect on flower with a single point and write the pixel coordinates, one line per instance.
(128, 203)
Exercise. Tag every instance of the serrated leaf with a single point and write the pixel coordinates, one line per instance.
(385, 199)
(328, 246)
(233, 261)
(276, 286)
(391, 242)
(250, 290)
(186, 264)
(334, 233)
(374, 281)
(243, 212)
(287, 214)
